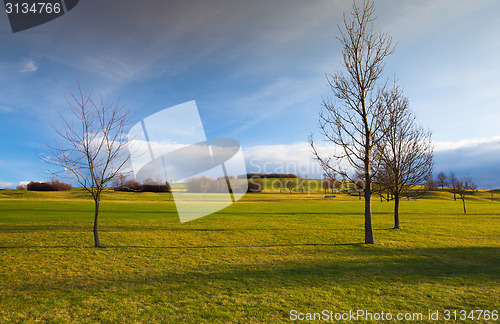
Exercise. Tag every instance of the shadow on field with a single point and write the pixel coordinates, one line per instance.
(231, 246)
(456, 265)
(279, 266)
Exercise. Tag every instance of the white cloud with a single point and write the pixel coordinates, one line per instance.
(13, 185)
(294, 158)
(479, 158)
(28, 67)
(5, 185)
(301, 151)
(467, 143)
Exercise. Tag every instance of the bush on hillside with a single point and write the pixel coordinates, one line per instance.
(53, 185)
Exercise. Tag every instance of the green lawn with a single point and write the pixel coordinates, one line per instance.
(252, 262)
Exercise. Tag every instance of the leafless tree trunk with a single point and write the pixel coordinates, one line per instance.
(442, 179)
(462, 187)
(406, 153)
(91, 146)
(326, 185)
(354, 126)
(453, 182)
(97, 243)
(290, 185)
(491, 193)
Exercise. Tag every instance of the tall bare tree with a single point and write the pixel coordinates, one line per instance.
(353, 122)
(406, 153)
(91, 146)
(463, 186)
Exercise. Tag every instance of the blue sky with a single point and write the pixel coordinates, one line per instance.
(256, 70)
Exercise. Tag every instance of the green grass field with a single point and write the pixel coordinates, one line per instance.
(252, 262)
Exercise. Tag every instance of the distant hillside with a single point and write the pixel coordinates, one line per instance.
(266, 175)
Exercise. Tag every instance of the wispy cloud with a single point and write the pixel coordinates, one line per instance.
(4, 185)
(292, 158)
(13, 185)
(5, 109)
(411, 20)
(467, 143)
(28, 66)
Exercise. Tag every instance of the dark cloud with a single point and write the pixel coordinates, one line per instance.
(480, 161)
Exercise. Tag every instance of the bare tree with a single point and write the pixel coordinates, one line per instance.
(406, 153)
(91, 146)
(290, 184)
(300, 184)
(442, 180)
(326, 184)
(430, 184)
(378, 188)
(204, 186)
(329, 183)
(281, 182)
(120, 180)
(353, 123)
(490, 190)
(453, 183)
(463, 185)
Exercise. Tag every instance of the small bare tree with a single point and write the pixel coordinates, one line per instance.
(329, 183)
(91, 146)
(281, 182)
(453, 183)
(463, 185)
(120, 180)
(492, 193)
(326, 185)
(354, 122)
(442, 180)
(290, 184)
(204, 186)
(406, 153)
(430, 184)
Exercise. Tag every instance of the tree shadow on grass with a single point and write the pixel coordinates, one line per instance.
(329, 265)
(454, 265)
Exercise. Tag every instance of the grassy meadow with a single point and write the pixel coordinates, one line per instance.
(252, 262)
